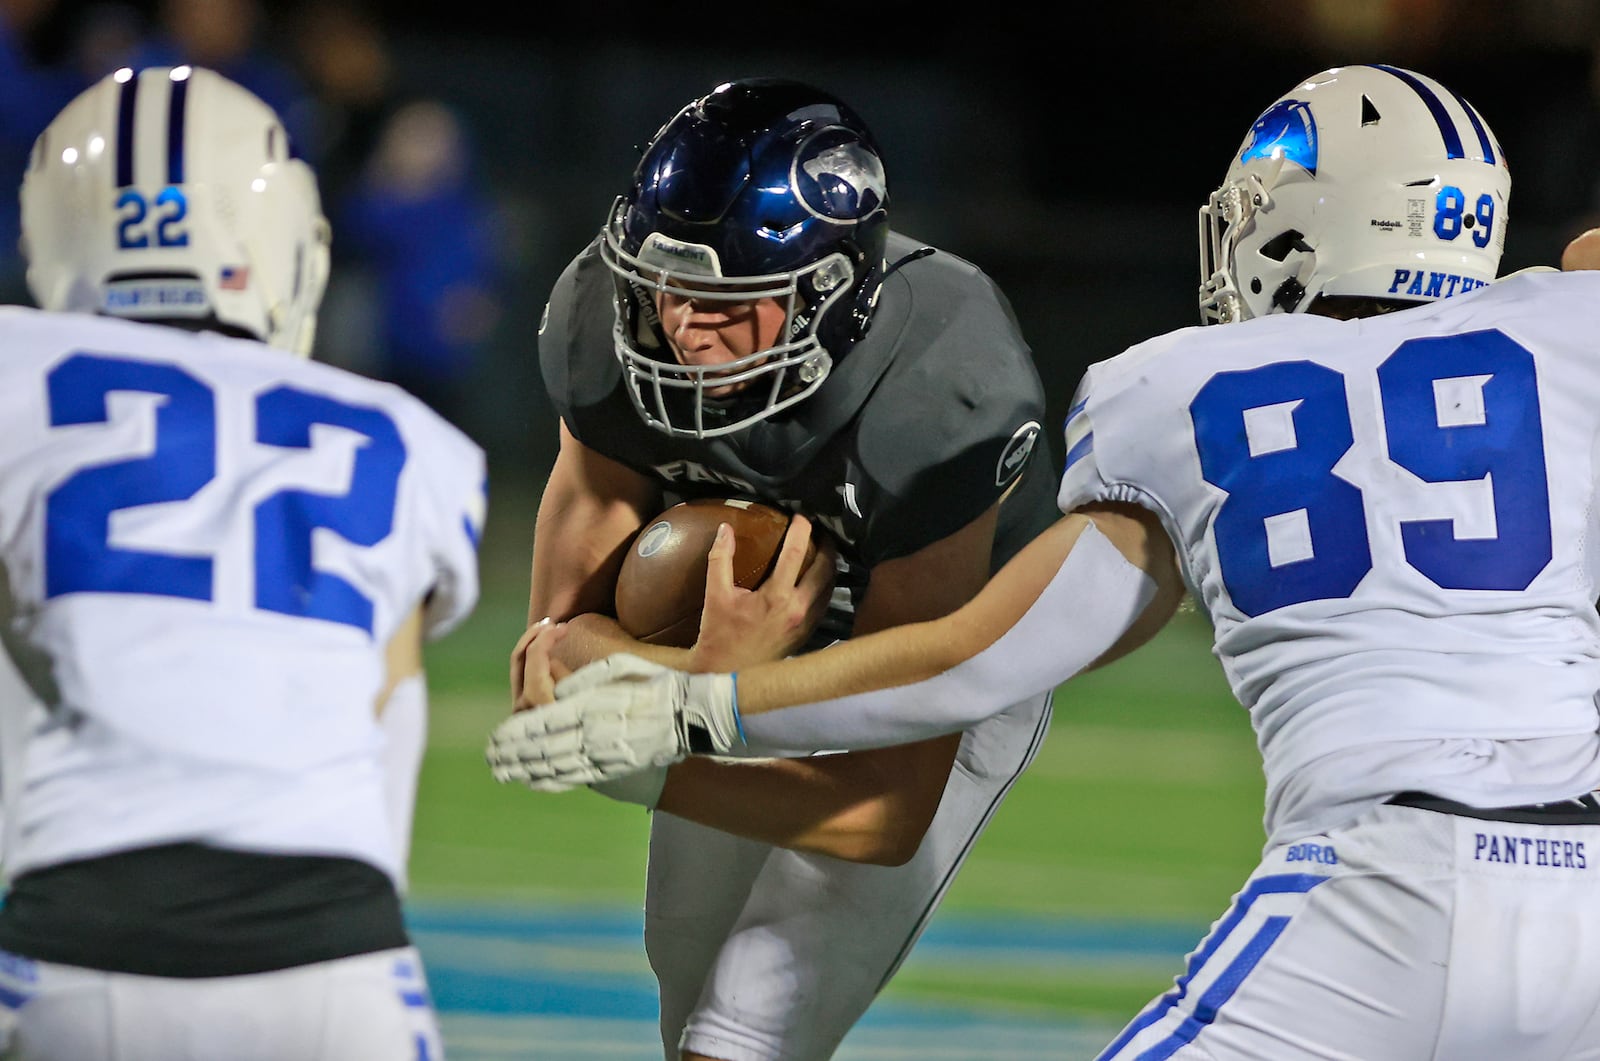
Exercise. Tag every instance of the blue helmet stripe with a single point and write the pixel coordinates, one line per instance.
(1478, 126)
(175, 111)
(125, 102)
(1447, 125)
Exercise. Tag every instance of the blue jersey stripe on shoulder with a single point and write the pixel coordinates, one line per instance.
(472, 522)
(1435, 105)
(1080, 449)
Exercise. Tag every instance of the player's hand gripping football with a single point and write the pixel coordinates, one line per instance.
(605, 721)
(740, 627)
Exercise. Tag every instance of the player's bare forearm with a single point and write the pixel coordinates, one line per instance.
(594, 636)
(572, 571)
(920, 651)
(916, 651)
(402, 656)
(871, 806)
(904, 596)
(590, 509)
(1582, 252)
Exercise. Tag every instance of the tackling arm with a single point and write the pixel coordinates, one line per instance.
(1093, 587)
(1088, 590)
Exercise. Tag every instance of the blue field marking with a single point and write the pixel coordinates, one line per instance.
(514, 983)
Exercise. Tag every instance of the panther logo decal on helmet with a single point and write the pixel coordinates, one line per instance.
(847, 181)
(1287, 130)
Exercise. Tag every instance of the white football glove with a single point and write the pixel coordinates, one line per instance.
(613, 718)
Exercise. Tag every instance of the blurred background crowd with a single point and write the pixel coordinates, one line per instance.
(466, 152)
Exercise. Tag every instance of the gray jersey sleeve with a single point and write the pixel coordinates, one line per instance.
(957, 420)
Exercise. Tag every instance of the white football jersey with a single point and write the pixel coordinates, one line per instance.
(206, 544)
(1390, 522)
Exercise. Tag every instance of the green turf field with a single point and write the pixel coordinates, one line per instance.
(1143, 806)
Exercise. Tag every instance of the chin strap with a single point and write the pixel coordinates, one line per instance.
(919, 253)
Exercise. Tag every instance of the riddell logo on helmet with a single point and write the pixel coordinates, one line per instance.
(1423, 283)
(1388, 226)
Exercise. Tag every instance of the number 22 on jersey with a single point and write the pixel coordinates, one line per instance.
(79, 556)
(1460, 408)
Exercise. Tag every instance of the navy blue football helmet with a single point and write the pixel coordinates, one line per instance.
(762, 188)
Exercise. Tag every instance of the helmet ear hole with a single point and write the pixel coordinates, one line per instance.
(1279, 247)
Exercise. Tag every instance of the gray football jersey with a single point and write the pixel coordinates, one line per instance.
(922, 426)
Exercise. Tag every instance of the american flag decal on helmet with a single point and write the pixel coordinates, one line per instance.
(233, 277)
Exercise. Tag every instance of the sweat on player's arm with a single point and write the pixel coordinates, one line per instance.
(1096, 585)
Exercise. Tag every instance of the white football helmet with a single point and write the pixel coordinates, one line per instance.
(171, 194)
(1362, 181)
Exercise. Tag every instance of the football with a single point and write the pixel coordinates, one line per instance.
(661, 588)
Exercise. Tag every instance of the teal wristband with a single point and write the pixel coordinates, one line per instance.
(738, 722)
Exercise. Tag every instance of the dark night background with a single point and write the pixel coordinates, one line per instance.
(1066, 154)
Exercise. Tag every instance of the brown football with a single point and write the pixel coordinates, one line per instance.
(661, 588)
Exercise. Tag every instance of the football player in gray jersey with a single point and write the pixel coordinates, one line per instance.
(747, 324)
(1378, 478)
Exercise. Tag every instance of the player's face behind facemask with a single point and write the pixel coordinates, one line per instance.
(764, 191)
(1364, 188)
(728, 337)
(172, 195)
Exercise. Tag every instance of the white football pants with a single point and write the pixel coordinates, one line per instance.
(371, 1007)
(764, 954)
(1408, 935)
